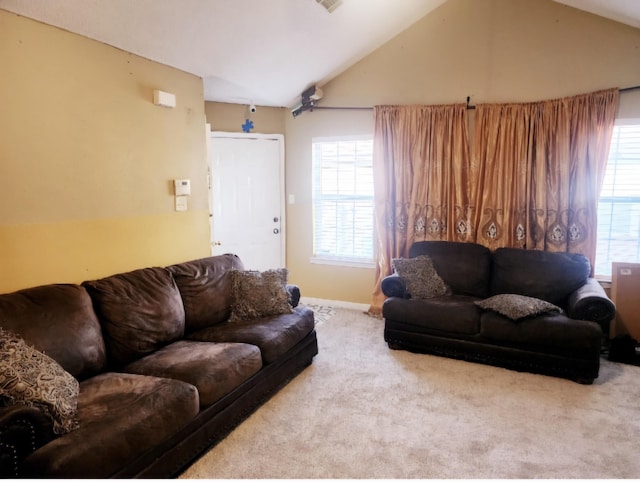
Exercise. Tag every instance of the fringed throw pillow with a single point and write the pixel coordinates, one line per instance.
(32, 378)
(517, 307)
(258, 294)
(420, 276)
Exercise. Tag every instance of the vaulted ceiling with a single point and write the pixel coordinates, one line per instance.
(263, 52)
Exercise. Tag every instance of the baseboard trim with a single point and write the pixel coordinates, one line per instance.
(334, 303)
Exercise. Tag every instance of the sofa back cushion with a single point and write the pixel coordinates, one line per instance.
(539, 274)
(140, 311)
(464, 267)
(58, 320)
(205, 286)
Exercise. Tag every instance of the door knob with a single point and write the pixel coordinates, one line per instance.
(275, 220)
(276, 230)
(217, 243)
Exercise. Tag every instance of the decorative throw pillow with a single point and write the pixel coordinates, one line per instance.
(32, 378)
(517, 306)
(420, 276)
(257, 294)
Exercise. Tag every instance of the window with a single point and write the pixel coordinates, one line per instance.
(619, 203)
(343, 201)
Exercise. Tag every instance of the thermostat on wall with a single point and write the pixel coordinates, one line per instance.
(182, 187)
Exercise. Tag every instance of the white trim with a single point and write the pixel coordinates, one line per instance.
(247, 135)
(360, 137)
(352, 263)
(334, 303)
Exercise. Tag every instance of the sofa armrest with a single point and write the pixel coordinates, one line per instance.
(294, 295)
(393, 286)
(590, 302)
(23, 429)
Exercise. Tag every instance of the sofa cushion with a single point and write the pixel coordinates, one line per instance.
(140, 311)
(421, 278)
(205, 287)
(214, 369)
(58, 320)
(121, 416)
(464, 267)
(539, 274)
(516, 307)
(547, 333)
(256, 294)
(455, 314)
(274, 335)
(29, 377)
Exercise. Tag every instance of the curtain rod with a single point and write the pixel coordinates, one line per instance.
(469, 106)
(316, 107)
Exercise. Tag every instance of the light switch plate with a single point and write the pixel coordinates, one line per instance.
(181, 203)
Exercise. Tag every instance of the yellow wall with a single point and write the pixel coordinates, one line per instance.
(230, 118)
(86, 159)
(490, 50)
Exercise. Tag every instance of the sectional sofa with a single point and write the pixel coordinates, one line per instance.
(139, 373)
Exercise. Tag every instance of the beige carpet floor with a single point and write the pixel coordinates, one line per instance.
(362, 410)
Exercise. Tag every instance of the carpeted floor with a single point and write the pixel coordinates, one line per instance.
(362, 410)
(321, 313)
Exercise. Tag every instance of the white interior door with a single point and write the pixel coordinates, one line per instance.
(247, 173)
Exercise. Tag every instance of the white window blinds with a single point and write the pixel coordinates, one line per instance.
(619, 203)
(343, 200)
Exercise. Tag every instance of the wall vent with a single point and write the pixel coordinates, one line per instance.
(330, 5)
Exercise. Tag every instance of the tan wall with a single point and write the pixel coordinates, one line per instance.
(86, 159)
(230, 118)
(318, 280)
(490, 50)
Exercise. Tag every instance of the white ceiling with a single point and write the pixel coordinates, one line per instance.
(263, 52)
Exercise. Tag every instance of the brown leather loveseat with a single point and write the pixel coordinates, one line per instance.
(163, 369)
(525, 310)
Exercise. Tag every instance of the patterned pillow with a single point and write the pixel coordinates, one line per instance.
(517, 306)
(421, 278)
(257, 294)
(29, 377)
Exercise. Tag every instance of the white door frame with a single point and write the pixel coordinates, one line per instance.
(242, 135)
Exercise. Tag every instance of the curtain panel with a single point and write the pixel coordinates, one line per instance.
(533, 179)
(421, 180)
(537, 170)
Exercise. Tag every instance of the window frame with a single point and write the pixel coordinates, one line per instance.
(332, 259)
(604, 277)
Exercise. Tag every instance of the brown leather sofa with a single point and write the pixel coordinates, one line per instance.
(163, 374)
(565, 344)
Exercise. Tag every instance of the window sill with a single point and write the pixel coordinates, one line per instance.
(605, 281)
(351, 263)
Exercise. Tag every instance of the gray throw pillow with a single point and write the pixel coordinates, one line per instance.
(420, 276)
(258, 294)
(29, 377)
(516, 307)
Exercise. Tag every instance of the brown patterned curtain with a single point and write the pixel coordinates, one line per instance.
(421, 176)
(537, 169)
